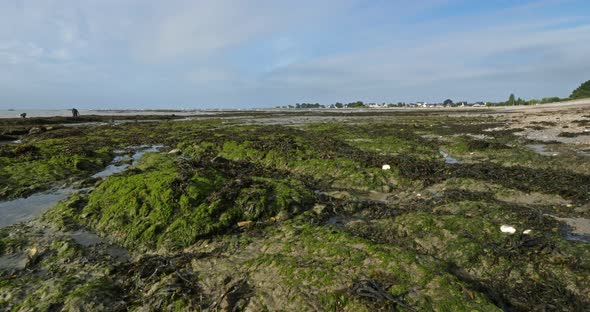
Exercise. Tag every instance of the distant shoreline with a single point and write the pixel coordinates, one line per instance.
(46, 113)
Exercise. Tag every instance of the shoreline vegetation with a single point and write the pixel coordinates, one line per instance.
(407, 210)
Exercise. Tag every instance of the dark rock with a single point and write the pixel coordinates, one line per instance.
(7, 138)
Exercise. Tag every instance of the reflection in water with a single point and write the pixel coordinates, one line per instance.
(448, 158)
(23, 209)
(578, 229)
(117, 165)
(541, 149)
(17, 261)
(88, 239)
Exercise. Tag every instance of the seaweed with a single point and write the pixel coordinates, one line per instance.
(233, 214)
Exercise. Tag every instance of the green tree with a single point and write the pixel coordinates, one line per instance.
(511, 99)
(448, 102)
(357, 104)
(583, 91)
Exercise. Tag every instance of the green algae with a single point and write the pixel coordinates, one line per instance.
(26, 173)
(466, 236)
(145, 208)
(247, 192)
(321, 258)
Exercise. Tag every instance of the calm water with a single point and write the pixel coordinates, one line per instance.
(22, 209)
(6, 113)
(448, 158)
(117, 166)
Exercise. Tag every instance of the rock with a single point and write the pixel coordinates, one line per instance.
(220, 160)
(339, 194)
(7, 138)
(175, 151)
(16, 132)
(245, 224)
(32, 256)
(318, 208)
(507, 229)
(281, 216)
(35, 130)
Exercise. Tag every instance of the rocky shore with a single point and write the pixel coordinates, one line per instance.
(403, 210)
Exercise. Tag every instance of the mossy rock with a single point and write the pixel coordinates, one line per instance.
(155, 205)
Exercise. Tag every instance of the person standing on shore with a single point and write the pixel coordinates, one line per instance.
(75, 113)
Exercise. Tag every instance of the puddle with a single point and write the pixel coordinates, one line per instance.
(448, 158)
(341, 222)
(144, 149)
(13, 262)
(578, 229)
(23, 209)
(110, 170)
(540, 149)
(89, 239)
(10, 142)
(82, 124)
(86, 238)
(117, 167)
(337, 221)
(431, 137)
(479, 136)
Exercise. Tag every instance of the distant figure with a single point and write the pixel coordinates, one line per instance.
(75, 113)
(23, 115)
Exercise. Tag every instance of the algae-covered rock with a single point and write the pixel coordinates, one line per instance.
(158, 206)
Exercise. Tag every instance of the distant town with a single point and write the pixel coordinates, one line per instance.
(512, 100)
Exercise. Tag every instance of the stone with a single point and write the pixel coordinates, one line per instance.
(35, 130)
(245, 224)
(318, 208)
(507, 229)
(32, 256)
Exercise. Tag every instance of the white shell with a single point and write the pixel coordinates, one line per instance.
(526, 231)
(507, 229)
(386, 167)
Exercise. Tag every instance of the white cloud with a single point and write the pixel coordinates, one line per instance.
(526, 51)
(276, 51)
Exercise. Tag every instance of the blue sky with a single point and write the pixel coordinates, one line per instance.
(261, 53)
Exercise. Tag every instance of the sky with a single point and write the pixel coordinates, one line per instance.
(141, 54)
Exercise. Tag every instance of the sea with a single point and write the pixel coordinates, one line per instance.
(15, 113)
